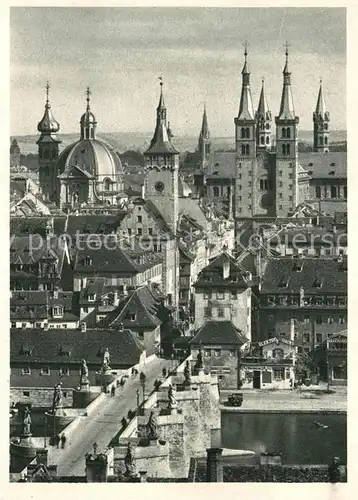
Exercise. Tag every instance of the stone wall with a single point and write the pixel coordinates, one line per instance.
(39, 397)
(154, 459)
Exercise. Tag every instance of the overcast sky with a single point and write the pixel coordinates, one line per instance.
(120, 53)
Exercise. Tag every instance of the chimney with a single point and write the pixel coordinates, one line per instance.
(143, 476)
(214, 465)
(41, 456)
(226, 267)
(292, 329)
(96, 467)
(83, 326)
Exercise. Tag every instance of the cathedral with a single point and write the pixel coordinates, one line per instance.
(266, 178)
(87, 172)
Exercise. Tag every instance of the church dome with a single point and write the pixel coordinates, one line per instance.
(93, 156)
(88, 118)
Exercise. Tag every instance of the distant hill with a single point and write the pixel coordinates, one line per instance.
(124, 141)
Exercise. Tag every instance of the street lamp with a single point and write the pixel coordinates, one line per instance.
(142, 378)
(45, 442)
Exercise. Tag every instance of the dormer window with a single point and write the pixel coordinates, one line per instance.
(284, 282)
(271, 300)
(57, 311)
(131, 316)
(26, 350)
(87, 261)
(298, 266)
(318, 282)
(91, 297)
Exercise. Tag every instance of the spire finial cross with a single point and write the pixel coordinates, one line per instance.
(320, 80)
(160, 78)
(88, 96)
(47, 91)
(245, 51)
(287, 45)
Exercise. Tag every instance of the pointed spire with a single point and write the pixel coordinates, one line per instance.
(321, 105)
(287, 110)
(160, 142)
(246, 109)
(204, 133)
(48, 124)
(263, 108)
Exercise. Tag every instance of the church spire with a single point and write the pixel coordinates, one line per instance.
(160, 143)
(264, 118)
(88, 121)
(246, 109)
(287, 110)
(48, 124)
(204, 144)
(321, 121)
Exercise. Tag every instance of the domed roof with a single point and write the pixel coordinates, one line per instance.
(88, 118)
(92, 155)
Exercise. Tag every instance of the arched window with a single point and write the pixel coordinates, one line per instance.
(288, 133)
(267, 140)
(288, 149)
(283, 132)
(262, 140)
(326, 126)
(247, 149)
(107, 184)
(247, 133)
(243, 149)
(321, 141)
(243, 133)
(283, 149)
(326, 140)
(216, 191)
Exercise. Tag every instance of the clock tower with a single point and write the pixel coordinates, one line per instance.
(162, 168)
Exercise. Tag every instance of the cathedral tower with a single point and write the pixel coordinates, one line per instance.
(245, 138)
(204, 143)
(321, 121)
(264, 119)
(48, 147)
(162, 168)
(286, 150)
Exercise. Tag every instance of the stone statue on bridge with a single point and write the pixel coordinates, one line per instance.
(152, 427)
(84, 381)
(26, 423)
(173, 404)
(129, 462)
(106, 358)
(187, 373)
(57, 397)
(199, 363)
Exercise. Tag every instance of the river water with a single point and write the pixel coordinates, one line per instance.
(294, 435)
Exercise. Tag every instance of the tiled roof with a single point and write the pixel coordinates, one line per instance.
(21, 226)
(37, 305)
(191, 208)
(218, 333)
(112, 257)
(325, 165)
(93, 224)
(224, 163)
(212, 275)
(47, 346)
(142, 303)
(33, 248)
(329, 272)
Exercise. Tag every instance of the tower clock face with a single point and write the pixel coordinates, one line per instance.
(159, 186)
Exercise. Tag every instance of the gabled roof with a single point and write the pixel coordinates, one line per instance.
(328, 272)
(212, 275)
(33, 248)
(325, 165)
(143, 305)
(47, 346)
(218, 333)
